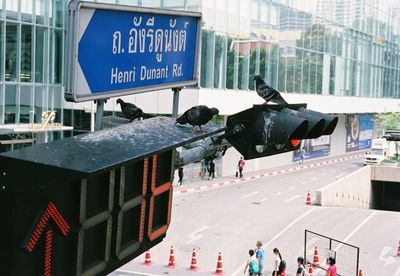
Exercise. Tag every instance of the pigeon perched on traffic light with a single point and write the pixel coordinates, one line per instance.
(131, 111)
(268, 93)
(197, 116)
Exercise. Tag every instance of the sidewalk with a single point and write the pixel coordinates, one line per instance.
(231, 179)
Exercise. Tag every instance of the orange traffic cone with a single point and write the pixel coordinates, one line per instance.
(308, 199)
(398, 249)
(171, 263)
(193, 265)
(316, 257)
(147, 258)
(219, 270)
(310, 270)
(360, 273)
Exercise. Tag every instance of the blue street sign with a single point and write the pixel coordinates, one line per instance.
(122, 51)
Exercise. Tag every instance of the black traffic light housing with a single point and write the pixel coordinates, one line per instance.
(270, 129)
(88, 204)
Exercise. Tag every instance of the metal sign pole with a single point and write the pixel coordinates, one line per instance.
(175, 104)
(99, 114)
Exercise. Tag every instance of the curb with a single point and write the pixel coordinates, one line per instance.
(211, 186)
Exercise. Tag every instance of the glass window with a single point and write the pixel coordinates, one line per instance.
(151, 3)
(290, 70)
(230, 64)
(56, 56)
(56, 13)
(26, 53)
(332, 74)
(129, 2)
(274, 15)
(220, 61)
(1, 104)
(41, 9)
(40, 50)
(298, 71)
(26, 10)
(12, 9)
(1, 51)
(26, 105)
(178, 4)
(55, 102)
(244, 62)
(40, 105)
(282, 69)
(10, 104)
(207, 56)
(263, 72)
(306, 72)
(319, 67)
(273, 65)
(193, 5)
(11, 51)
(254, 9)
(254, 62)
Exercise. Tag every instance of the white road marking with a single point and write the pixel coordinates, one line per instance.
(340, 175)
(264, 199)
(278, 193)
(291, 188)
(241, 268)
(292, 198)
(389, 260)
(138, 273)
(348, 237)
(196, 235)
(249, 195)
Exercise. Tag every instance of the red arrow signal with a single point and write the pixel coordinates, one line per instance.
(51, 212)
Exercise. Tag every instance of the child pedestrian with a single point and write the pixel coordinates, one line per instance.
(301, 271)
(260, 255)
(252, 264)
(331, 271)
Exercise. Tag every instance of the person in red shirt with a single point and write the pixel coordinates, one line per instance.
(241, 165)
(331, 271)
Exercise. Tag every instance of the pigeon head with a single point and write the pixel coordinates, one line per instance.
(119, 101)
(214, 111)
(259, 80)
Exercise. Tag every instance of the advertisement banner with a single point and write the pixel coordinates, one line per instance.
(313, 148)
(359, 131)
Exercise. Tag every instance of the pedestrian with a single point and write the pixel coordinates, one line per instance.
(240, 166)
(302, 154)
(203, 169)
(252, 264)
(212, 170)
(180, 175)
(277, 262)
(331, 271)
(260, 255)
(301, 271)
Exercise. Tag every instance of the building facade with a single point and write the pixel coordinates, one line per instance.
(340, 57)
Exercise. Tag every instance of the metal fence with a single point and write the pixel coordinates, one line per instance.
(347, 256)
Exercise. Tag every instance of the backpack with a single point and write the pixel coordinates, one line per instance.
(254, 267)
(282, 266)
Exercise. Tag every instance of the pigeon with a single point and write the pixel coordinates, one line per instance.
(268, 93)
(197, 116)
(131, 111)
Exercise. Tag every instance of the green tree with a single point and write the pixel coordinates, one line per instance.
(386, 121)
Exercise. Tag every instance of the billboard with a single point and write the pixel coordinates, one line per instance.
(314, 148)
(359, 131)
(116, 50)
